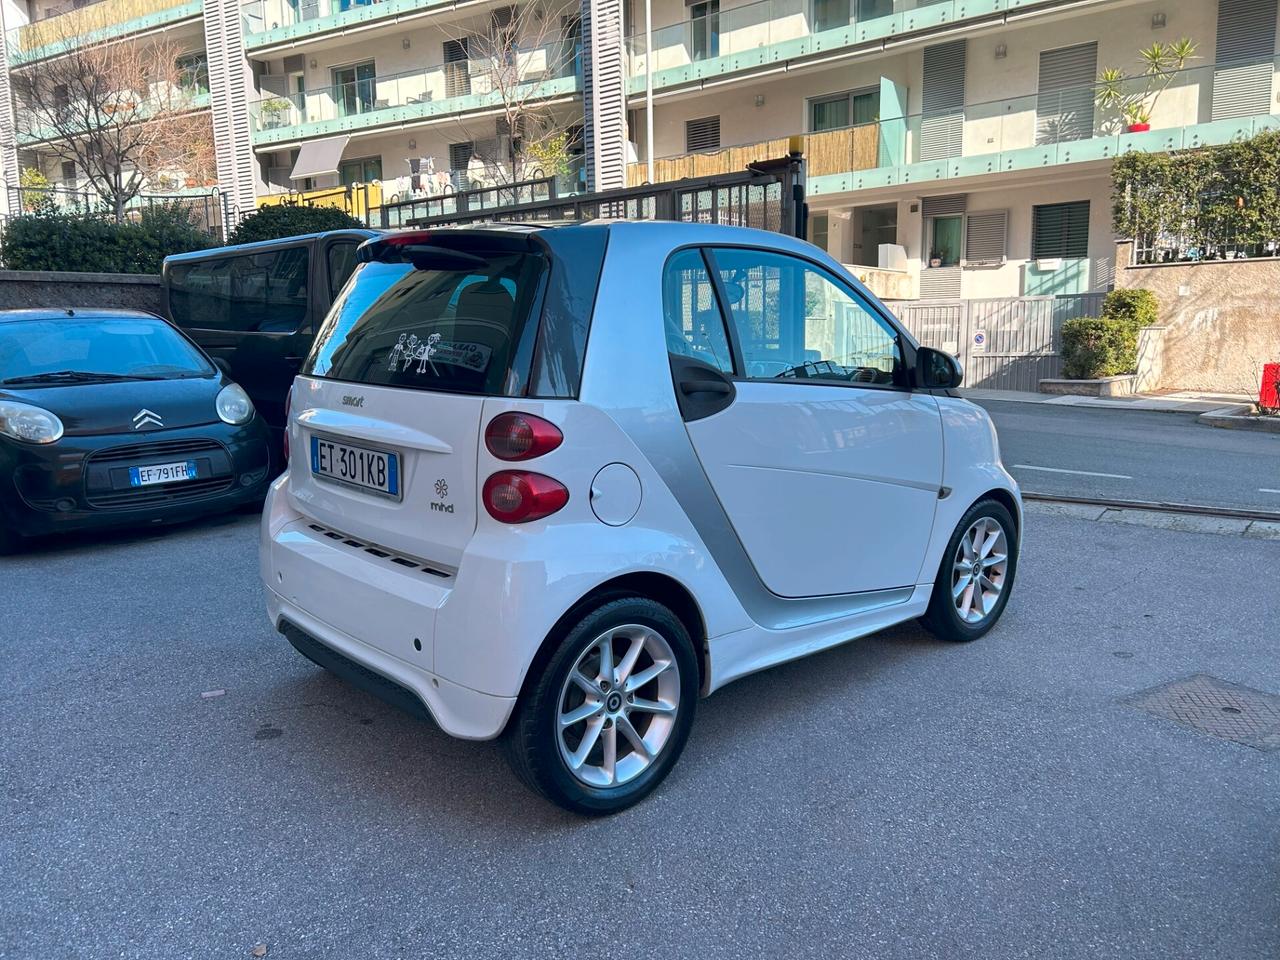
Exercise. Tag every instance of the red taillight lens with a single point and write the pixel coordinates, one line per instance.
(514, 496)
(521, 436)
(288, 402)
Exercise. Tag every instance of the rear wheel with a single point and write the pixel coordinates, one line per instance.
(976, 574)
(607, 718)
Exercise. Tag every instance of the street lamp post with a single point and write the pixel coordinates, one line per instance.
(648, 88)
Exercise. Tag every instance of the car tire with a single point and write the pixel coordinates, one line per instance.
(616, 703)
(964, 607)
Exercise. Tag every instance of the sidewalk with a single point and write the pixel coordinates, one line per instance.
(1176, 402)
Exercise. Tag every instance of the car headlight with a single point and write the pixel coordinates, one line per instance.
(30, 424)
(234, 405)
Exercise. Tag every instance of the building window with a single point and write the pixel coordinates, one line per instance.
(354, 88)
(69, 172)
(193, 72)
(702, 134)
(364, 170)
(705, 19)
(946, 235)
(843, 110)
(1060, 230)
(830, 14)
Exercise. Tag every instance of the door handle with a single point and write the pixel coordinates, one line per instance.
(718, 387)
(294, 360)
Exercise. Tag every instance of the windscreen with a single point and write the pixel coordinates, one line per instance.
(453, 330)
(115, 347)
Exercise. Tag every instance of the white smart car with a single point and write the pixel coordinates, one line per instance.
(557, 483)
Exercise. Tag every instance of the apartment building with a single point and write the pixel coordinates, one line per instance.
(959, 145)
(955, 148)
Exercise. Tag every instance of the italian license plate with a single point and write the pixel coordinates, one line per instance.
(374, 470)
(162, 473)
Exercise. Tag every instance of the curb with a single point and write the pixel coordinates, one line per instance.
(1240, 416)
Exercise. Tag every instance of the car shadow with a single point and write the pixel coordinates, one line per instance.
(340, 734)
(52, 545)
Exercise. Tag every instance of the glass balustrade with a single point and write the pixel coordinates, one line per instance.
(263, 15)
(73, 21)
(432, 89)
(1211, 103)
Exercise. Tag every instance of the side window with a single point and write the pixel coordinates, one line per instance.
(694, 326)
(258, 292)
(342, 263)
(795, 322)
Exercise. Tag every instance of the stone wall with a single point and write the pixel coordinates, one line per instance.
(34, 288)
(1219, 322)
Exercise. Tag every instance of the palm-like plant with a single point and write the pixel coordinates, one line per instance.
(1162, 62)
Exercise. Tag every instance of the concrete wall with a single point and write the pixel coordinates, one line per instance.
(31, 288)
(1218, 321)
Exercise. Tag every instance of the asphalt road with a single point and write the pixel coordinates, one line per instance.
(1138, 455)
(893, 798)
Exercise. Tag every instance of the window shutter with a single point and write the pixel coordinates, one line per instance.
(942, 206)
(459, 155)
(942, 104)
(1244, 55)
(1064, 105)
(702, 134)
(1060, 230)
(984, 239)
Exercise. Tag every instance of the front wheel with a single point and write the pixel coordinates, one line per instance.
(608, 716)
(976, 574)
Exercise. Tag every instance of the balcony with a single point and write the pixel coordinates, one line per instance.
(1216, 103)
(765, 32)
(538, 73)
(268, 22)
(826, 153)
(97, 21)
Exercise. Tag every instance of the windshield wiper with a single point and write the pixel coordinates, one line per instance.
(75, 376)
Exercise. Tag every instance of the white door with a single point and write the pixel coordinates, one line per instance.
(826, 464)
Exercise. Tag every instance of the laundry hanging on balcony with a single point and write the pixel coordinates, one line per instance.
(319, 158)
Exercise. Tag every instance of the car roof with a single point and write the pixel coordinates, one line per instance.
(75, 313)
(258, 245)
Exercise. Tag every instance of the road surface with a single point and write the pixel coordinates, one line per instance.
(893, 798)
(1136, 455)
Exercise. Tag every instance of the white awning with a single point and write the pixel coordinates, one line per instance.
(318, 158)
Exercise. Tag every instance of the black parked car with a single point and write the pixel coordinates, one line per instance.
(257, 307)
(114, 418)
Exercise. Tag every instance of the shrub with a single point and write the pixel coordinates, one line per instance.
(290, 220)
(52, 240)
(1095, 347)
(1138, 307)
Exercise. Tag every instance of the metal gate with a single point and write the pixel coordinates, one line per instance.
(1006, 343)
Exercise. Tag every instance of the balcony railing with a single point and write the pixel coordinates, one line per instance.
(1220, 101)
(752, 29)
(440, 89)
(99, 20)
(265, 16)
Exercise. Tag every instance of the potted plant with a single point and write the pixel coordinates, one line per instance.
(274, 112)
(1133, 99)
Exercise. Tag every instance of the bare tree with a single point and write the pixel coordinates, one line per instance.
(511, 58)
(122, 111)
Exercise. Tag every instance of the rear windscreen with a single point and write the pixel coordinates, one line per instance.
(454, 330)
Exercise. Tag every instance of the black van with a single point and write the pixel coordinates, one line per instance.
(257, 306)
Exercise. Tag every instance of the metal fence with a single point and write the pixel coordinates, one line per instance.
(210, 212)
(1007, 343)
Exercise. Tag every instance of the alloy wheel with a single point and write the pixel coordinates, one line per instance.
(979, 570)
(618, 706)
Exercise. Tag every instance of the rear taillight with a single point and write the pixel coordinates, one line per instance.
(516, 496)
(288, 402)
(521, 436)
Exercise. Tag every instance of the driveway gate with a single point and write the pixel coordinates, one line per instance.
(1007, 343)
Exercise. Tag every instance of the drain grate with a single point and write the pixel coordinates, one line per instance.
(1221, 709)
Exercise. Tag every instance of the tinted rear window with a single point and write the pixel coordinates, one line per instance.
(458, 331)
(119, 346)
(254, 292)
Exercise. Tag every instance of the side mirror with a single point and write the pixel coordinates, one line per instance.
(936, 370)
(221, 364)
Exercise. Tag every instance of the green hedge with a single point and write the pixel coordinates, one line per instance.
(1094, 347)
(48, 240)
(289, 220)
(1107, 346)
